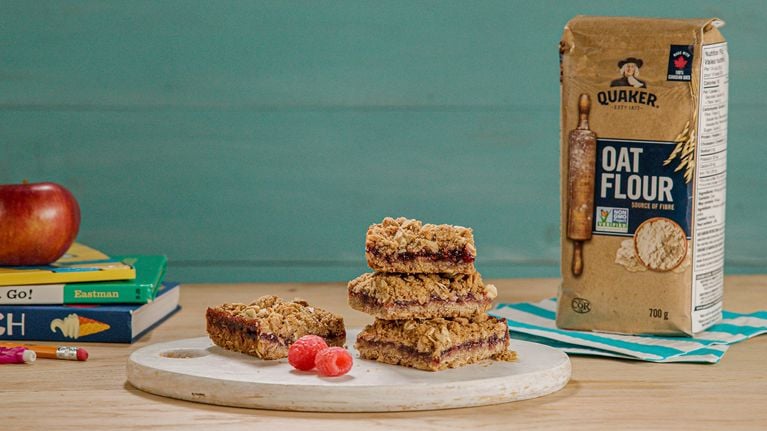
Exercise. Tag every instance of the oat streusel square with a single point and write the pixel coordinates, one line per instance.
(269, 325)
(435, 344)
(409, 246)
(393, 296)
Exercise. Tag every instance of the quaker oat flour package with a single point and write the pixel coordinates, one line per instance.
(643, 163)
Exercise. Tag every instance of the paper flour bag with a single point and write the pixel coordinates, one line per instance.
(643, 164)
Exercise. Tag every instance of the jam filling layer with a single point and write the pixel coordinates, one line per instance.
(469, 299)
(455, 255)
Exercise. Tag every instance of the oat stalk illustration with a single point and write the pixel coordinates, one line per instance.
(684, 151)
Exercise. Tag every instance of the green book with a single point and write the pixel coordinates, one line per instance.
(149, 274)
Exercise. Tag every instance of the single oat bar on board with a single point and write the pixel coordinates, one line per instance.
(267, 327)
(391, 296)
(409, 246)
(435, 344)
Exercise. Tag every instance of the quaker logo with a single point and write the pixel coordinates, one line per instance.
(630, 91)
(680, 63)
(629, 68)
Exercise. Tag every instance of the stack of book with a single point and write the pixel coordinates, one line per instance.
(86, 296)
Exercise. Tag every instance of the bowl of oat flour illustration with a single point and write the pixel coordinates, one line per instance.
(660, 244)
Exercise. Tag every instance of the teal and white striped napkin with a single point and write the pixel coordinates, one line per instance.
(535, 322)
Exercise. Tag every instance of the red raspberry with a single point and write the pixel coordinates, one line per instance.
(333, 361)
(301, 354)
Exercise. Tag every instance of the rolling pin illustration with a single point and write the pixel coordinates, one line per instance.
(582, 144)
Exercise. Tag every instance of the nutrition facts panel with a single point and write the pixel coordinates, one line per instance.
(711, 177)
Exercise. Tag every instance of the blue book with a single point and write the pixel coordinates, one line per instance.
(113, 323)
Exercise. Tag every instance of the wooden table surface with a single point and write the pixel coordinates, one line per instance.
(603, 393)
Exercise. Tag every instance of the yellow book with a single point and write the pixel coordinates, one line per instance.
(79, 263)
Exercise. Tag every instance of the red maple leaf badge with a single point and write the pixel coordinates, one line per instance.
(680, 62)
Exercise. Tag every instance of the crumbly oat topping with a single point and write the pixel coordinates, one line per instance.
(420, 288)
(506, 356)
(287, 320)
(402, 235)
(434, 334)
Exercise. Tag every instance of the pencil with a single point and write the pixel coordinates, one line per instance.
(54, 352)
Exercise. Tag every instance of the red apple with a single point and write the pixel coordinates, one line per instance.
(38, 223)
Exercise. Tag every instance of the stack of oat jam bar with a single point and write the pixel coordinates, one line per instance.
(428, 300)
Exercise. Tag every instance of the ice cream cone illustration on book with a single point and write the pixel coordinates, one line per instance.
(74, 326)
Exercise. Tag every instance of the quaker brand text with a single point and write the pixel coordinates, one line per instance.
(614, 95)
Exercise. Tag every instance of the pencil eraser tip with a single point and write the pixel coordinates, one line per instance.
(82, 354)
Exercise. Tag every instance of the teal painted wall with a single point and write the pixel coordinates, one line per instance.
(257, 140)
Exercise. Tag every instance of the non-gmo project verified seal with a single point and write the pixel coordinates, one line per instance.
(611, 219)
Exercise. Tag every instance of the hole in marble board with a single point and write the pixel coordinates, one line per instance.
(184, 353)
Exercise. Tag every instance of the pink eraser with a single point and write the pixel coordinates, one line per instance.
(82, 354)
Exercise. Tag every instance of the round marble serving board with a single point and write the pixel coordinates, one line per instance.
(196, 370)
